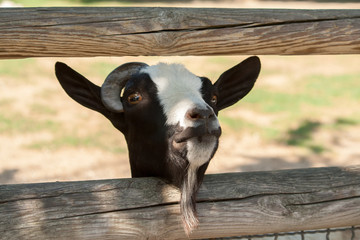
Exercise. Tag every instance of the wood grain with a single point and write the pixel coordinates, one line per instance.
(230, 204)
(89, 32)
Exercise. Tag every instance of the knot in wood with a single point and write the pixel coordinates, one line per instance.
(173, 20)
(167, 16)
(165, 40)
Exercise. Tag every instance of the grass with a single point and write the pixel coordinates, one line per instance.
(16, 123)
(42, 109)
(275, 101)
(334, 87)
(74, 140)
(101, 69)
(302, 136)
(18, 70)
(346, 122)
(236, 124)
(316, 91)
(313, 96)
(240, 126)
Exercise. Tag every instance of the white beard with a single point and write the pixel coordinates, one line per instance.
(198, 153)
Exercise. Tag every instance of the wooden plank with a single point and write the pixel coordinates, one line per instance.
(88, 32)
(147, 208)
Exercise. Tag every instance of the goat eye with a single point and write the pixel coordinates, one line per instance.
(134, 98)
(214, 99)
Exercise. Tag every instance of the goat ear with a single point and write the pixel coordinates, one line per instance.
(84, 92)
(236, 82)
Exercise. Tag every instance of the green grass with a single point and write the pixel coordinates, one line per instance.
(334, 87)
(64, 141)
(16, 123)
(240, 126)
(42, 119)
(101, 69)
(222, 60)
(236, 124)
(316, 91)
(19, 70)
(312, 97)
(275, 101)
(340, 122)
(74, 140)
(41, 109)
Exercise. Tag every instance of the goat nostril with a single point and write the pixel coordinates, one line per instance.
(198, 114)
(193, 115)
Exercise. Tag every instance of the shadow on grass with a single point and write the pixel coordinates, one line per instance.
(346, 122)
(302, 136)
(7, 176)
(273, 163)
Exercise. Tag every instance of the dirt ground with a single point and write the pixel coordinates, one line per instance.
(245, 152)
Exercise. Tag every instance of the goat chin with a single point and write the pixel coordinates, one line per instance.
(187, 202)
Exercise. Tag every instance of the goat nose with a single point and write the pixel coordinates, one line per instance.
(196, 114)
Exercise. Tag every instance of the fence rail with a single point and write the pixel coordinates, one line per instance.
(89, 32)
(141, 208)
(228, 204)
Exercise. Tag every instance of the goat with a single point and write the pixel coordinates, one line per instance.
(168, 116)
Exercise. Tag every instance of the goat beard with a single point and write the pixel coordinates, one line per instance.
(189, 189)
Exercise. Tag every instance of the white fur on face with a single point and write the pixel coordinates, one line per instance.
(200, 152)
(178, 89)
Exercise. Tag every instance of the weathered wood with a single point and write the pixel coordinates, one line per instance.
(87, 32)
(228, 205)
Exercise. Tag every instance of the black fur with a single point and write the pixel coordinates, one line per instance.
(155, 149)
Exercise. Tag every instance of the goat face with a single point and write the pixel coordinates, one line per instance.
(188, 103)
(167, 115)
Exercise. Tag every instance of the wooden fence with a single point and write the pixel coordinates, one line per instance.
(228, 204)
(147, 208)
(80, 32)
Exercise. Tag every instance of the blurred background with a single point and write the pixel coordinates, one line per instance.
(303, 112)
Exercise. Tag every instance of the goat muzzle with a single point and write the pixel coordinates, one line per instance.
(197, 132)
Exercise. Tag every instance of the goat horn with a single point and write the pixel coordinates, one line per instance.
(115, 82)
